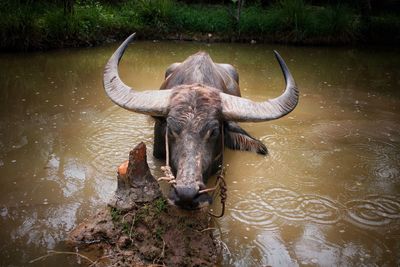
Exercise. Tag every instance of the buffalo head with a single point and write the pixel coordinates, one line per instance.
(197, 108)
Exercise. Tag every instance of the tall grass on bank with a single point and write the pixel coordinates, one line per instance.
(295, 19)
(202, 19)
(154, 15)
(18, 28)
(294, 22)
(42, 24)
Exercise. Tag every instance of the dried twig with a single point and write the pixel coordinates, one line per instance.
(132, 224)
(128, 213)
(99, 259)
(224, 246)
(162, 255)
(54, 252)
(207, 229)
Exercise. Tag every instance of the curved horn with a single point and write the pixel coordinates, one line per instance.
(241, 109)
(153, 103)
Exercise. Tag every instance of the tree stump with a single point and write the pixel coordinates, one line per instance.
(136, 184)
(139, 228)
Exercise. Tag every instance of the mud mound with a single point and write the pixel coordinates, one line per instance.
(138, 228)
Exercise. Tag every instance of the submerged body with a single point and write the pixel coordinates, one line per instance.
(199, 101)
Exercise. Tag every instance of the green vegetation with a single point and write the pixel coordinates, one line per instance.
(28, 25)
(148, 215)
(293, 21)
(160, 231)
(115, 214)
(160, 205)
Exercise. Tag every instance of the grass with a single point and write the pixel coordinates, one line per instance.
(384, 29)
(147, 214)
(202, 19)
(292, 21)
(32, 25)
(160, 205)
(159, 232)
(115, 214)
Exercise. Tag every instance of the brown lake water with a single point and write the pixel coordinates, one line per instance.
(328, 194)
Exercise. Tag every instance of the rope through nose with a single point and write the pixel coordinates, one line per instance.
(168, 175)
(219, 183)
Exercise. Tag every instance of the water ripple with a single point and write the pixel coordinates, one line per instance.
(252, 213)
(293, 206)
(113, 135)
(319, 209)
(380, 161)
(386, 172)
(374, 210)
(374, 151)
(266, 208)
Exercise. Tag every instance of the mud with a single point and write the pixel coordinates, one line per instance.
(139, 228)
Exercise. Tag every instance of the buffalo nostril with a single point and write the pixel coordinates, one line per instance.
(173, 195)
(201, 186)
(186, 193)
(189, 198)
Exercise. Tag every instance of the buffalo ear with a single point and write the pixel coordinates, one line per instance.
(238, 139)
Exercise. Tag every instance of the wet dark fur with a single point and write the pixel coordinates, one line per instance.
(199, 68)
(194, 129)
(195, 123)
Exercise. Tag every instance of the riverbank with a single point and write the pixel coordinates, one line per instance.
(46, 25)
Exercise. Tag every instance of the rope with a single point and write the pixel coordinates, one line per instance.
(219, 183)
(222, 193)
(168, 175)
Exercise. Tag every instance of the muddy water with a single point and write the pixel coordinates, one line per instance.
(327, 194)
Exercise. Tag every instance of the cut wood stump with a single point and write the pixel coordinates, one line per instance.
(139, 228)
(136, 184)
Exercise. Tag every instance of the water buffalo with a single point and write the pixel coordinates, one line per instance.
(198, 102)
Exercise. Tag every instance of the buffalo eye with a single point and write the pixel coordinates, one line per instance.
(213, 133)
(172, 133)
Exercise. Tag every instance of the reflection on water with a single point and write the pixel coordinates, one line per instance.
(328, 194)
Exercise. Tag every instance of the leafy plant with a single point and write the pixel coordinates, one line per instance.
(160, 205)
(155, 14)
(294, 17)
(115, 214)
(159, 232)
(337, 22)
